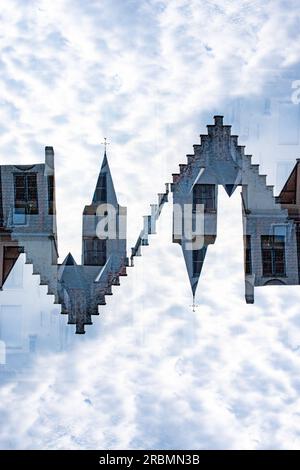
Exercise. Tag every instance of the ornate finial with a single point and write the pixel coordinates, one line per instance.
(194, 305)
(105, 143)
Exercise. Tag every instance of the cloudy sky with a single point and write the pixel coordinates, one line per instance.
(149, 75)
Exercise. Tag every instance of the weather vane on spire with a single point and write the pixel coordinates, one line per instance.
(105, 143)
(194, 306)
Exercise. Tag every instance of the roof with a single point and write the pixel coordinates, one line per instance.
(289, 191)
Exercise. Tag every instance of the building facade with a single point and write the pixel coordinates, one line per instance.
(271, 224)
(28, 225)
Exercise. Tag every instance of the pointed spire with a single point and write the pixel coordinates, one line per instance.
(69, 260)
(230, 188)
(194, 260)
(104, 191)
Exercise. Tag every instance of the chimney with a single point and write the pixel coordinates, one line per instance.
(49, 161)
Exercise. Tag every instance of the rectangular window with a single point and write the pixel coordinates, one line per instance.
(51, 194)
(26, 198)
(94, 252)
(248, 256)
(273, 255)
(204, 194)
(198, 260)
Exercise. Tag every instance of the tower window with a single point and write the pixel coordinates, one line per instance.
(248, 254)
(198, 260)
(94, 252)
(273, 255)
(101, 189)
(204, 194)
(26, 197)
(51, 194)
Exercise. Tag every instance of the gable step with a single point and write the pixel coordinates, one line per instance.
(255, 167)
(203, 138)
(190, 159)
(264, 178)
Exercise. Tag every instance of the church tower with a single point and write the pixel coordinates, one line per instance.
(104, 223)
(83, 287)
